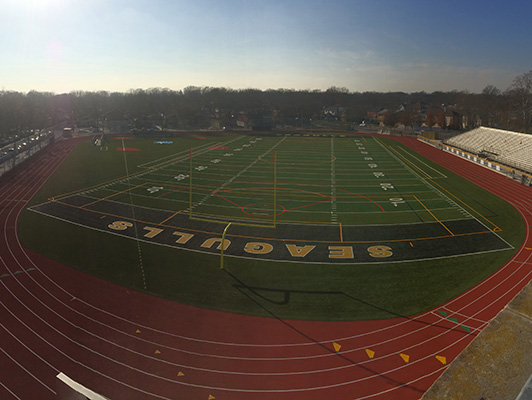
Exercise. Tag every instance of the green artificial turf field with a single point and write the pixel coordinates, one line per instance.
(352, 213)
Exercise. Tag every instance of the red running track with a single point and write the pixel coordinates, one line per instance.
(127, 345)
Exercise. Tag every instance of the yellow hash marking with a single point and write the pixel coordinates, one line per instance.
(341, 232)
(441, 223)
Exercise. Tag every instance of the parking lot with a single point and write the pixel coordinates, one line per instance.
(14, 150)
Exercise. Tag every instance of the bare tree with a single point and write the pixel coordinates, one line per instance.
(521, 93)
(490, 106)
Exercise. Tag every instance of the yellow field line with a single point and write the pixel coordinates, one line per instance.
(53, 198)
(270, 238)
(341, 232)
(170, 217)
(143, 171)
(112, 195)
(441, 223)
(232, 222)
(284, 221)
(495, 229)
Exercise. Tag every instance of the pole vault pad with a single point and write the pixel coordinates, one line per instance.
(311, 243)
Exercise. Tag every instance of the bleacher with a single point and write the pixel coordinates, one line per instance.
(505, 147)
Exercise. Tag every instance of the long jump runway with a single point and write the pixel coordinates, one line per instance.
(128, 345)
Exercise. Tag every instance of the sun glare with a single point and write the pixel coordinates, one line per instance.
(37, 5)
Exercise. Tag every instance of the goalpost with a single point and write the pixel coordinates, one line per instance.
(228, 224)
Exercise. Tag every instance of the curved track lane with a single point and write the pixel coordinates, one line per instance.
(127, 345)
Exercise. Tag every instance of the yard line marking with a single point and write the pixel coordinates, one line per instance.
(258, 237)
(441, 223)
(198, 151)
(222, 187)
(141, 263)
(168, 160)
(334, 216)
(425, 178)
(418, 160)
(114, 194)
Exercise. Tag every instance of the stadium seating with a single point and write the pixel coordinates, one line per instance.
(505, 147)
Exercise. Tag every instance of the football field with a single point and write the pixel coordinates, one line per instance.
(298, 203)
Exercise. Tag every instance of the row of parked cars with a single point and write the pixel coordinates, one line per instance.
(11, 146)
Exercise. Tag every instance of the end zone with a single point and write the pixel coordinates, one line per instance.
(289, 242)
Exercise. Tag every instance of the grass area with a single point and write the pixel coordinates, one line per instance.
(312, 170)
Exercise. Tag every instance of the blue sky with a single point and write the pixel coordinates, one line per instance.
(373, 45)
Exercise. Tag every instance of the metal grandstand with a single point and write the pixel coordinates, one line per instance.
(505, 147)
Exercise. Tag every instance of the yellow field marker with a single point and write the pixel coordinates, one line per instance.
(337, 347)
(157, 352)
(341, 232)
(140, 221)
(370, 353)
(112, 195)
(170, 217)
(433, 216)
(137, 331)
(405, 357)
(442, 359)
(180, 374)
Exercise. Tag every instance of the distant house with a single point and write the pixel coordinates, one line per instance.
(453, 118)
(335, 113)
(242, 121)
(420, 114)
(376, 115)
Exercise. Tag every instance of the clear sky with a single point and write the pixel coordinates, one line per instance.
(363, 45)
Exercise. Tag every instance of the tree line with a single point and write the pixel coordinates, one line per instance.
(197, 107)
